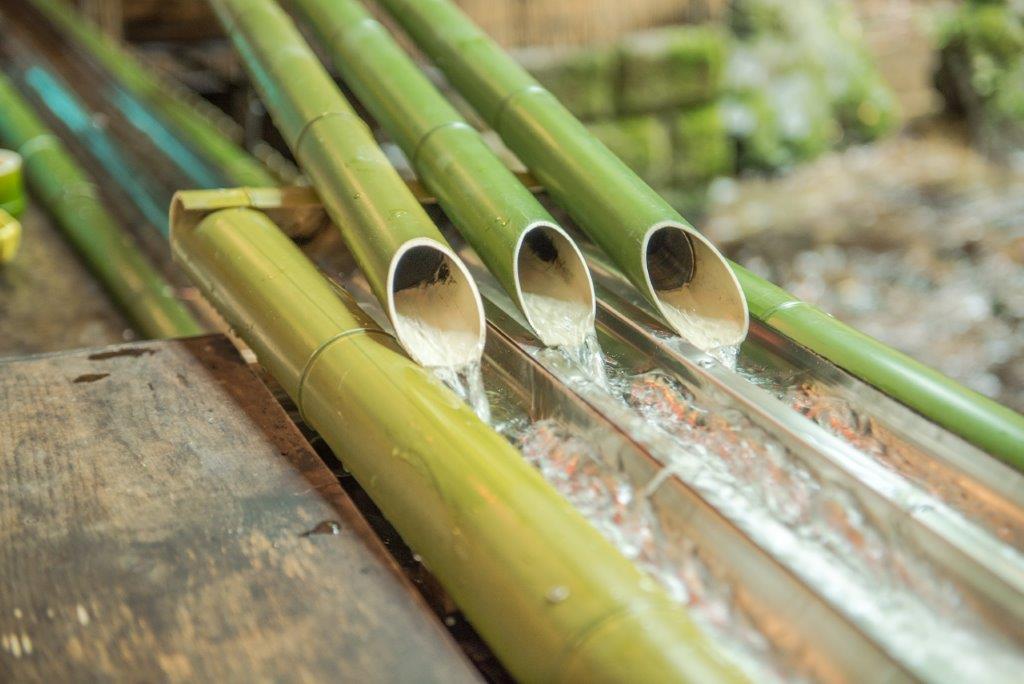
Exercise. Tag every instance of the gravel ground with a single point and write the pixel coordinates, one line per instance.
(917, 240)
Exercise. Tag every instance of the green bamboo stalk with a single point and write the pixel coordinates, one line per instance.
(12, 193)
(10, 236)
(532, 257)
(676, 268)
(553, 598)
(66, 192)
(200, 121)
(424, 287)
(561, 154)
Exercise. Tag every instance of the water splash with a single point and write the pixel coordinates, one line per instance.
(587, 471)
(810, 523)
(726, 355)
(467, 381)
(587, 357)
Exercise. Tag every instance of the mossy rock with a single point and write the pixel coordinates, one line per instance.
(642, 142)
(751, 122)
(671, 67)
(702, 147)
(583, 80)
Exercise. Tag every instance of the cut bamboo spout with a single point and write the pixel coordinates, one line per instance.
(424, 287)
(532, 257)
(676, 268)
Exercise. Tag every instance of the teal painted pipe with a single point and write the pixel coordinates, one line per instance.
(518, 240)
(64, 190)
(561, 153)
(66, 107)
(199, 120)
(676, 268)
(421, 283)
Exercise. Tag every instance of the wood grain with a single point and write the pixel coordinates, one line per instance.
(48, 299)
(161, 519)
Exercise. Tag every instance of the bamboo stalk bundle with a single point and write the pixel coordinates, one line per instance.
(66, 192)
(553, 598)
(424, 287)
(533, 258)
(676, 268)
(202, 122)
(559, 151)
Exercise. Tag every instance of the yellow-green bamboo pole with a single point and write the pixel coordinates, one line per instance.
(553, 598)
(422, 284)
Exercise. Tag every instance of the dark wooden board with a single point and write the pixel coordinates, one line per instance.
(161, 519)
(48, 299)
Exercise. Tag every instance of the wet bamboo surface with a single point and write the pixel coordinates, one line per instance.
(201, 539)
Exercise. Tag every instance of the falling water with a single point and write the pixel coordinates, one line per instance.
(467, 381)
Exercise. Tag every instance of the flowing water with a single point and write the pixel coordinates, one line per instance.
(815, 526)
(868, 568)
(586, 470)
(467, 381)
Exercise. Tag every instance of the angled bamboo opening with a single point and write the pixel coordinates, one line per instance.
(553, 285)
(693, 287)
(434, 305)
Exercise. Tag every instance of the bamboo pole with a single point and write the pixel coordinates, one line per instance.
(553, 598)
(676, 268)
(10, 236)
(422, 284)
(532, 257)
(560, 152)
(65, 191)
(199, 120)
(65, 106)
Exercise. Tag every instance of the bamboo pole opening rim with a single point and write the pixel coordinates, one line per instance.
(434, 305)
(693, 287)
(10, 162)
(569, 306)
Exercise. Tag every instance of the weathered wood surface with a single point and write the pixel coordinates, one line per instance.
(48, 299)
(161, 519)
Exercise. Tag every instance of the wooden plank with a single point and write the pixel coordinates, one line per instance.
(161, 519)
(48, 299)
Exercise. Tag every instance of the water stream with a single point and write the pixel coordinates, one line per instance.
(815, 526)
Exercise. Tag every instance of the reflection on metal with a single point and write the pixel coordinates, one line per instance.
(984, 490)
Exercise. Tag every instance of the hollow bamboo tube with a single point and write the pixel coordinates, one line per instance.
(198, 120)
(65, 191)
(559, 151)
(676, 268)
(425, 288)
(554, 599)
(532, 257)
